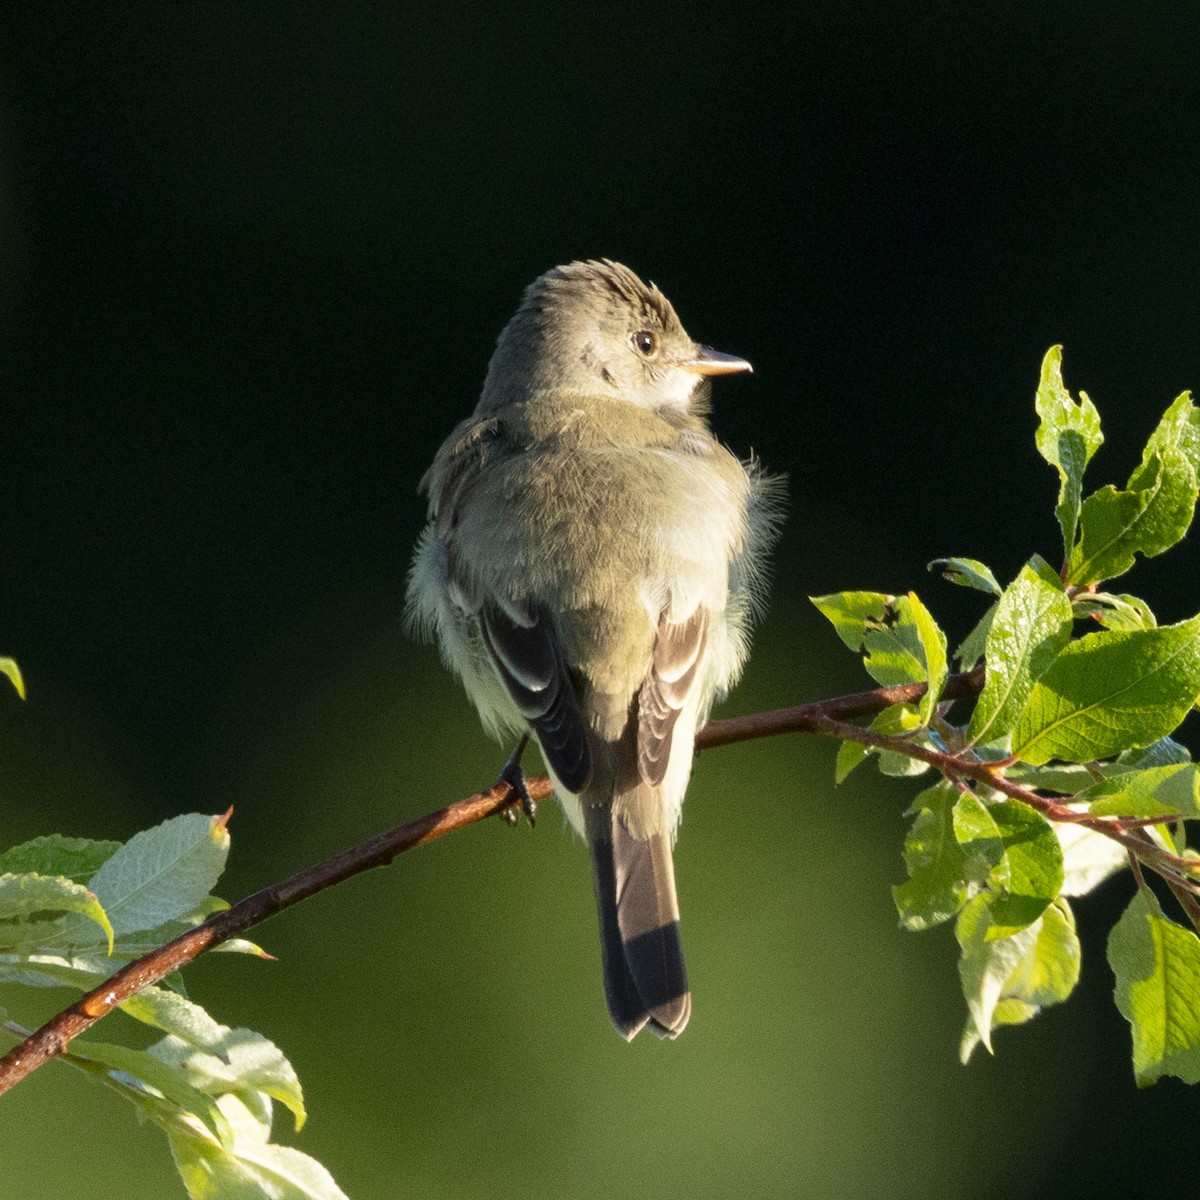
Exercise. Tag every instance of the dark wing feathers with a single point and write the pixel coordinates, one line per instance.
(525, 650)
(677, 651)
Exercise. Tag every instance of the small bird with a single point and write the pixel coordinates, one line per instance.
(593, 561)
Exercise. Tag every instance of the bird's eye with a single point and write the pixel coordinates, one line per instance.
(645, 342)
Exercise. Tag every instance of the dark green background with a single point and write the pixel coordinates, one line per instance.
(252, 262)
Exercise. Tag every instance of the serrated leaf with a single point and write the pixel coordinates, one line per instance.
(78, 859)
(1068, 436)
(940, 871)
(1153, 792)
(1025, 857)
(8, 666)
(159, 874)
(1045, 974)
(1114, 611)
(1110, 691)
(1031, 626)
(1148, 518)
(253, 1169)
(967, 572)
(25, 897)
(1157, 969)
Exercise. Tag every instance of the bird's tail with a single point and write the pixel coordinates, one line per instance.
(644, 977)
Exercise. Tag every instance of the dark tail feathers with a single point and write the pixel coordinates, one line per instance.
(644, 977)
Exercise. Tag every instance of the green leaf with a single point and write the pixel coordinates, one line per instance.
(215, 1058)
(166, 1080)
(1068, 436)
(852, 613)
(973, 646)
(159, 874)
(1157, 969)
(1044, 972)
(76, 858)
(253, 1168)
(1110, 691)
(1089, 858)
(38, 969)
(1025, 857)
(1154, 792)
(985, 967)
(849, 756)
(23, 897)
(942, 875)
(933, 650)
(8, 666)
(1179, 428)
(896, 721)
(1149, 517)
(900, 640)
(1163, 753)
(1114, 611)
(1031, 626)
(967, 572)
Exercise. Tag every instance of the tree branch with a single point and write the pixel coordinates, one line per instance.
(56, 1034)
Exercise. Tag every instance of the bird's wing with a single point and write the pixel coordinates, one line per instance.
(458, 467)
(678, 648)
(524, 647)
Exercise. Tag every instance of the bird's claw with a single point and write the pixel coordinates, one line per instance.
(514, 777)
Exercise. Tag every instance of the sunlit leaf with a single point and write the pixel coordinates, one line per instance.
(78, 859)
(8, 666)
(1044, 972)
(940, 871)
(1109, 691)
(1157, 969)
(1031, 625)
(967, 572)
(253, 1169)
(1068, 436)
(160, 874)
(1149, 517)
(1153, 792)
(1024, 856)
(23, 898)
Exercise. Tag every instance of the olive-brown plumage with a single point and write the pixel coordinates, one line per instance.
(590, 569)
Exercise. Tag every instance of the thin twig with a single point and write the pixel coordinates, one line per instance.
(829, 718)
(56, 1034)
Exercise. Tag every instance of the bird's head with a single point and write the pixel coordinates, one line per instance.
(594, 328)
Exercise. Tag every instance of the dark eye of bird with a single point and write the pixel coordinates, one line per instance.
(646, 342)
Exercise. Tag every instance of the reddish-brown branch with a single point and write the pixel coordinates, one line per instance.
(53, 1037)
(827, 717)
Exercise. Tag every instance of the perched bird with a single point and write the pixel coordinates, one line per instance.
(590, 569)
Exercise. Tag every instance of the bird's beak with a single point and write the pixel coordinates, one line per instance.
(706, 361)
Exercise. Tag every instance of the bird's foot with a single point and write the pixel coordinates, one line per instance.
(513, 775)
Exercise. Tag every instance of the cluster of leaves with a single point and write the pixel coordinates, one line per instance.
(73, 911)
(1065, 770)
